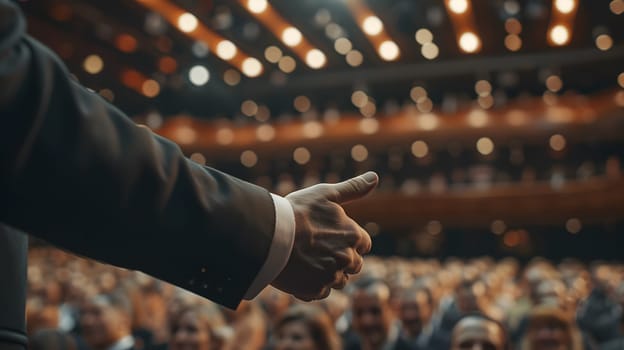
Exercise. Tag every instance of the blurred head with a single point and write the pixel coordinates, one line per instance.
(105, 319)
(477, 332)
(304, 327)
(372, 312)
(549, 292)
(415, 309)
(550, 328)
(469, 295)
(194, 328)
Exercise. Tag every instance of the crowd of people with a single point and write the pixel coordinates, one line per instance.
(394, 303)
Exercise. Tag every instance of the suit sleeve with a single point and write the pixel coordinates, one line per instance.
(75, 171)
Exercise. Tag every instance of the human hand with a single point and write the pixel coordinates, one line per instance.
(328, 244)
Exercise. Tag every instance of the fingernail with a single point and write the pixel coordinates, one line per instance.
(370, 177)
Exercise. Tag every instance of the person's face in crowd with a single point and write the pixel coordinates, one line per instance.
(415, 312)
(468, 298)
(475, 333)
(295, 335)
(103, 325)
(550, 293)
(372, 318)
(188, 333)
(548, 334)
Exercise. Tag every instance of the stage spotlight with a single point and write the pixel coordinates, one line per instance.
(187, 22)
(469, 42)
(315, 59)
(559, 35)
(291, 36)
(257, 6)
(458, 6)
(199, 75)
(226, 50)
(389, 50)
(372, 25)
(251, 67)
(565, 6)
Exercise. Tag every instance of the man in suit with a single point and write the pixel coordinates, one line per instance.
(106, 322)
(75, 171)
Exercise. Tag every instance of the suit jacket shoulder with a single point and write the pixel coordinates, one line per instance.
(77, 172)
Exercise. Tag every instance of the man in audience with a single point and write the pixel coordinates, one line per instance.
(106, 322)
(415, 312)
(479, 332)
(374, 321)
(599, 315)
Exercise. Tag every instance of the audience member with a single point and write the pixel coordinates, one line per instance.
(479, 332)
(306, 327)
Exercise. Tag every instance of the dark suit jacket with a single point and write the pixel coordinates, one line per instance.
(75, 171)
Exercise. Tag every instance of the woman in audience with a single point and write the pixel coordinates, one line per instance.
(197, 327)
(305, 327)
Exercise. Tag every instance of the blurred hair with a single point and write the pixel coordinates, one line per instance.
(117, 299)
(556, 314)
(483, 317)
(372, 286)
(208, 315)
(318, 323)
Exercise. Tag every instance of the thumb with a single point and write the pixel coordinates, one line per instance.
(354, 188)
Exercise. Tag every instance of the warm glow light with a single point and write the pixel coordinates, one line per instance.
(554, 83)
(187, 22)
(354, 58)
(225, 136)
(557, 142)
(418, 93)
(287, 64)
(150, 88)
(513, 26)
(359, 153)
(199, 75)
(369, 126)
(469, 42)
(428, 121)
(93, 64)
(604, 42)
(388, 50)
(372, 25)
(565, 6)
(513, 42)
(498, 227)
(429, 51)
(478, 118)
(483, 88)
(574, 226)
(231, 77)
(198, 158)
(301, 155)
(458, 6)
(315, 59)
(249, 158)
(369, 109)
(251, 67)
(302, 104)
(420, 149)
(226, 50)
(423, 36)
(291, 36)
(485, 146)
(559, 35)
(359, 98)
(312, 129)
(249, 108)
(343, 46)
(257, 6)
(620, 79)
(273, 54)
(265, 133)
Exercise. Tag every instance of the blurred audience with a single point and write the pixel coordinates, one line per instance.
(393, 304)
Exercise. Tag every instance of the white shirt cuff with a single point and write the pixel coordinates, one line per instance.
(281, 246)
